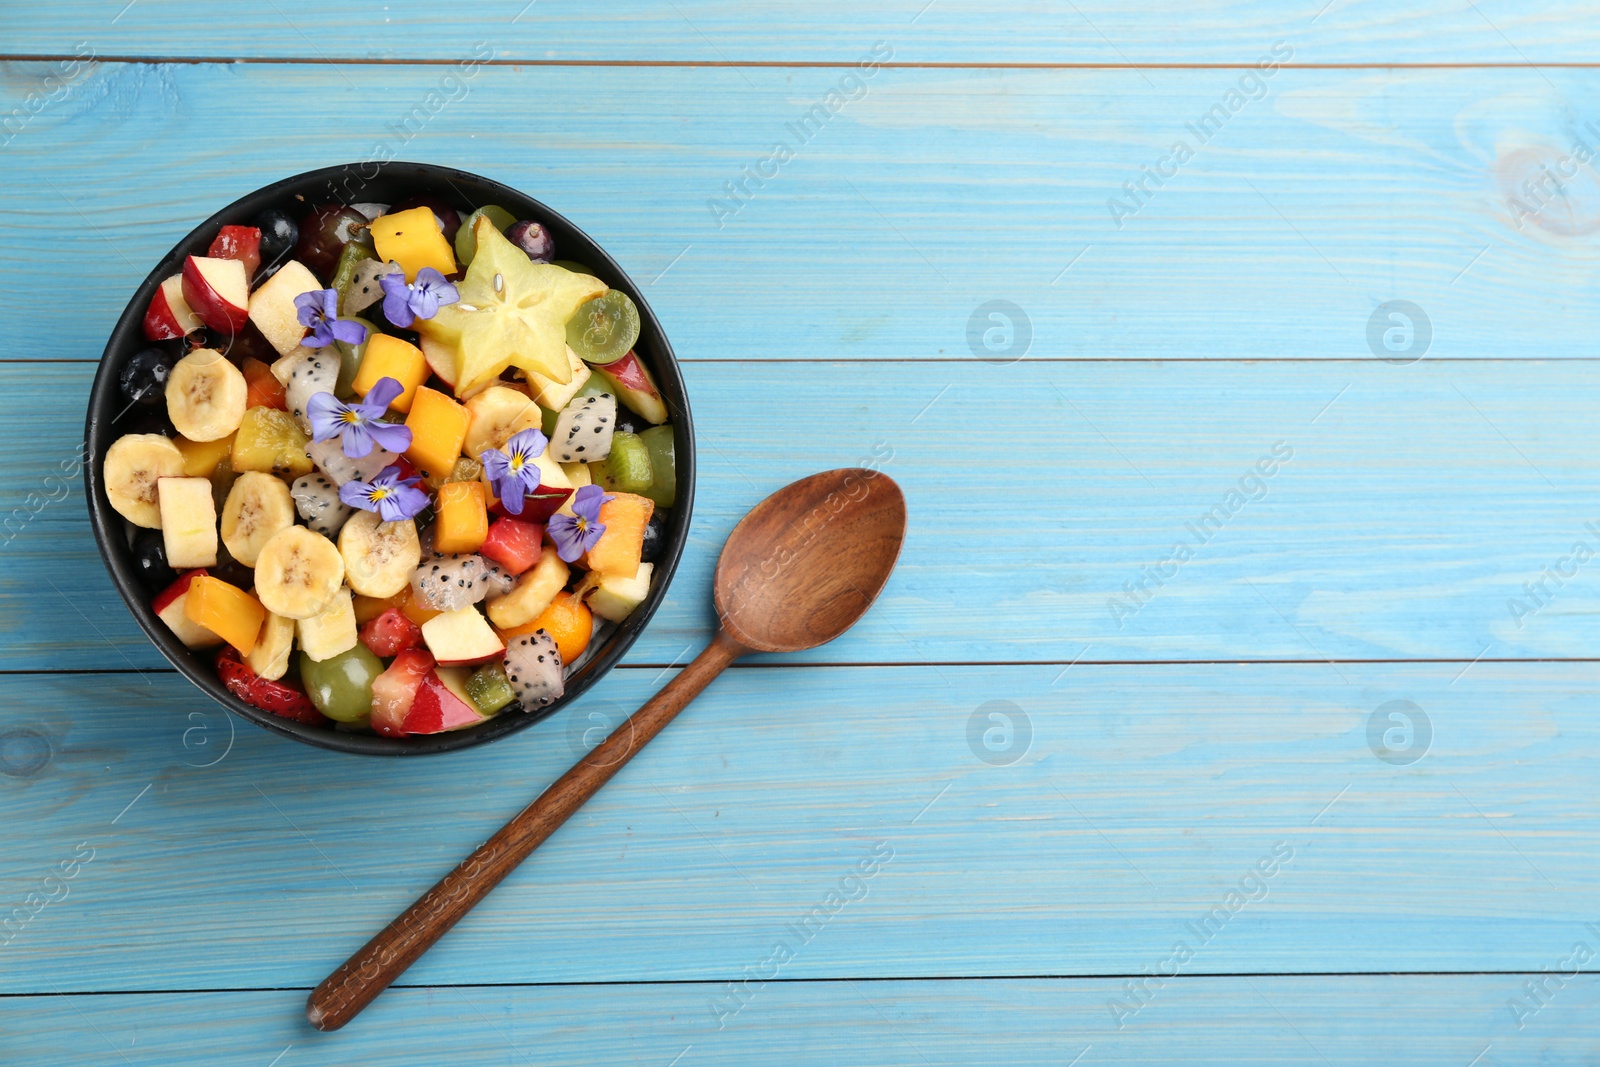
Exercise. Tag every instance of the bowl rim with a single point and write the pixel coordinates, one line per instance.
(127, 337)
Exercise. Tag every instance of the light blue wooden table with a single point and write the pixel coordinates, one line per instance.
(1121, 742)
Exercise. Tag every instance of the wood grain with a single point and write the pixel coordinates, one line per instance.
(1434, 1021)
(1418, 503)
(932, 194)
(1142, 798)
(831, 31)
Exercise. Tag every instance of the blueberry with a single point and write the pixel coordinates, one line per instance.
(231, 570)
(144, 377)
(655, 536)
(150, 560)
(533, 239)
(279, 235)
(629, 422)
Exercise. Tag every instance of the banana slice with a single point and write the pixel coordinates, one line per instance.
(379, 556)
(258, 506)
(206, 396)
(270, 657)
(133, 463)
(298, 573)
(497, 413)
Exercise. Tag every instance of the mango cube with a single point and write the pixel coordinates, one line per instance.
(413, 240)
(200, 458)
(462, 524)
(225, 610)
(438, 426)
(391, 357)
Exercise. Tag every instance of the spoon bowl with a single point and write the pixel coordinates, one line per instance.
(798, 570)
(809, 560)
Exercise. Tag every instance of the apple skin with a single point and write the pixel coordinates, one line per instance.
(219, 292)
(169, 315)
(437, 709)
(634, 387)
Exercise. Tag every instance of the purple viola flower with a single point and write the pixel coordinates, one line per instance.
(319, 309)
(391, 496)
(576, 534)
(357, 425)
(513, 474)
(403, 304)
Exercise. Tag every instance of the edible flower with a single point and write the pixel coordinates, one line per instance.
(319, 309)
(357, 425)
(391, 496)
(577, 533)
(403, 304)
(513, 474)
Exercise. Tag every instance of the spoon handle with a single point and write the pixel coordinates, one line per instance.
(350, 988)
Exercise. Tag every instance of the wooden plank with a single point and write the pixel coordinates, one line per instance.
(719, 31)
(1145, 801)
(932, 194)
(1433, 1021)
(1418, 503)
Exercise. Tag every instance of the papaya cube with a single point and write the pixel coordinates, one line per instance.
(263, 390)
(413, 240)
(462, 521)
(438, 426)
(225, 610)
(391, 357)
(617, 552)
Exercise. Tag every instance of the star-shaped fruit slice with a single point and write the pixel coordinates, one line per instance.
(513, 312)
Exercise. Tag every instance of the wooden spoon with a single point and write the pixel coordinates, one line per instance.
(797, 571)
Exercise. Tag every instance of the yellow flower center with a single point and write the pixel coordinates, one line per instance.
(378, 493)
(352, 418)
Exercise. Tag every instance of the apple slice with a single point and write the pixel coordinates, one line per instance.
(395, 690)
(188, 521)
(615, 597)
(219, 292)
(634, 387)
(441, 703)
(461, 637)
(272, 305)
(442, 358)
(169, 315)
(169, 608)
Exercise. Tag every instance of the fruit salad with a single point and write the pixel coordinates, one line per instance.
(399, 466)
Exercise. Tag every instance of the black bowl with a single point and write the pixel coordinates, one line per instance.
(380, 183)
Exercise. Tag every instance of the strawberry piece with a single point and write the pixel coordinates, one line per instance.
(238, 242)
(265, 693)
(538, 506)
(390, 634)
(513, 543)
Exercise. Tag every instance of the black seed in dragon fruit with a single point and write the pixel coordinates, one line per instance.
(533, 667)
(449, 583)
(583, 429)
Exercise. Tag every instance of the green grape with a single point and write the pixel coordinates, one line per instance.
(489, 688)
(352, 257)
(575, 267)
(341, 687)
(663, 470)
(605, 328)
(467, 242)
